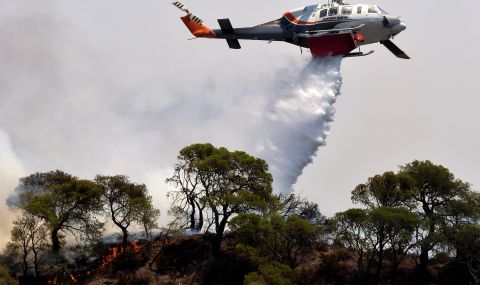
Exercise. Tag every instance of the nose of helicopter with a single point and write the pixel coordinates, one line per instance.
(394, 24)
(398, 28)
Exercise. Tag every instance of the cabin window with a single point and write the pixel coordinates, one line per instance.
(323, 13)
(333, 11)
(372, 9)
(359, 9)
(347, 10)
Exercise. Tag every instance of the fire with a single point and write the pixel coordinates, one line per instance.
(115, 251)
(135, 246)
(74, 280)
(112, 253)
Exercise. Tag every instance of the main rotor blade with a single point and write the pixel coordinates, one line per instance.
(394, 49)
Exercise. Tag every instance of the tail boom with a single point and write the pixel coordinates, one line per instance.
(198, 30)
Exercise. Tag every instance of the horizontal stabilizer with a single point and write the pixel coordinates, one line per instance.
(226, 26)
(233, 44)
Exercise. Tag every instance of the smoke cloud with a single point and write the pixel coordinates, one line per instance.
(66, 106)
(11, 169)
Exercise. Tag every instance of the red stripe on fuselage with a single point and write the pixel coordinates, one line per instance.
(289, 16)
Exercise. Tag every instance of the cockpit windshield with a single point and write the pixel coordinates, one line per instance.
(383, 11)
(372, 9)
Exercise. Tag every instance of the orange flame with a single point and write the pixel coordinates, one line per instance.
(135, 246)
(74, 280)
(112, 254)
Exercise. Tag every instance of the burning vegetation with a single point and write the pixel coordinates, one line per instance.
(112, 253)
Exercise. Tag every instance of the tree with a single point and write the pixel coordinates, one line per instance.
(468, 243)
(5, 277)
(223, 183)
(64, 202)
(390, 230)
(350, 229)
(274, 237)
(189, 177)
(386, 190)
(29, 239)
(148, 216)
(123, 202)
(434, 189)
(294, 205)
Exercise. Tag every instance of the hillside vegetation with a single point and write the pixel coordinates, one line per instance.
(418, 225)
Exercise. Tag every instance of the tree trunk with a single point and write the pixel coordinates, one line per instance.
(25, 262)
(124, 238)
(35, 259)
(395, 265)
(217, 241)
(147, 234)
(423, 266)
(192, 214)
(55, 240)
(379, 268)
(199, 225)
(200, 220)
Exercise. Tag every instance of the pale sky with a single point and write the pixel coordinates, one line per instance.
(114, 86)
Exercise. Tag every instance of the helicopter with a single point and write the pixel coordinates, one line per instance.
(331, 29)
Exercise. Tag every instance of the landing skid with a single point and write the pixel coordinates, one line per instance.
(356, 54)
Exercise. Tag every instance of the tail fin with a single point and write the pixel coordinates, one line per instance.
(194, 23)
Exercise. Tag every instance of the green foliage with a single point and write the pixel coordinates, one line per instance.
(274, 273)
(468, 245)
(148, 216)
(126, 203)
(221, 183)
(5, 277)
(274, 237)
(29, 242)
(386, 190)
(438, 195)
(64, 202)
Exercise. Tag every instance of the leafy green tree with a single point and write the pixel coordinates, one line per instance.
(283, 235)
(351, 229)
(458, 213)
(64, 202)
(191, 180)
(294, 205)
(148, 216)
(29, 240)
(391, 230)
(229, 183)
(435, 189)
(386, 190)
(468, 244)
(124, 202)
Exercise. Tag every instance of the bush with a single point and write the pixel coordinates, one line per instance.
(5, 277)
(271, 274)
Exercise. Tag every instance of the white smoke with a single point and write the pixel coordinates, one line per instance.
(65, 106)
(11, 169)
(298, 124)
